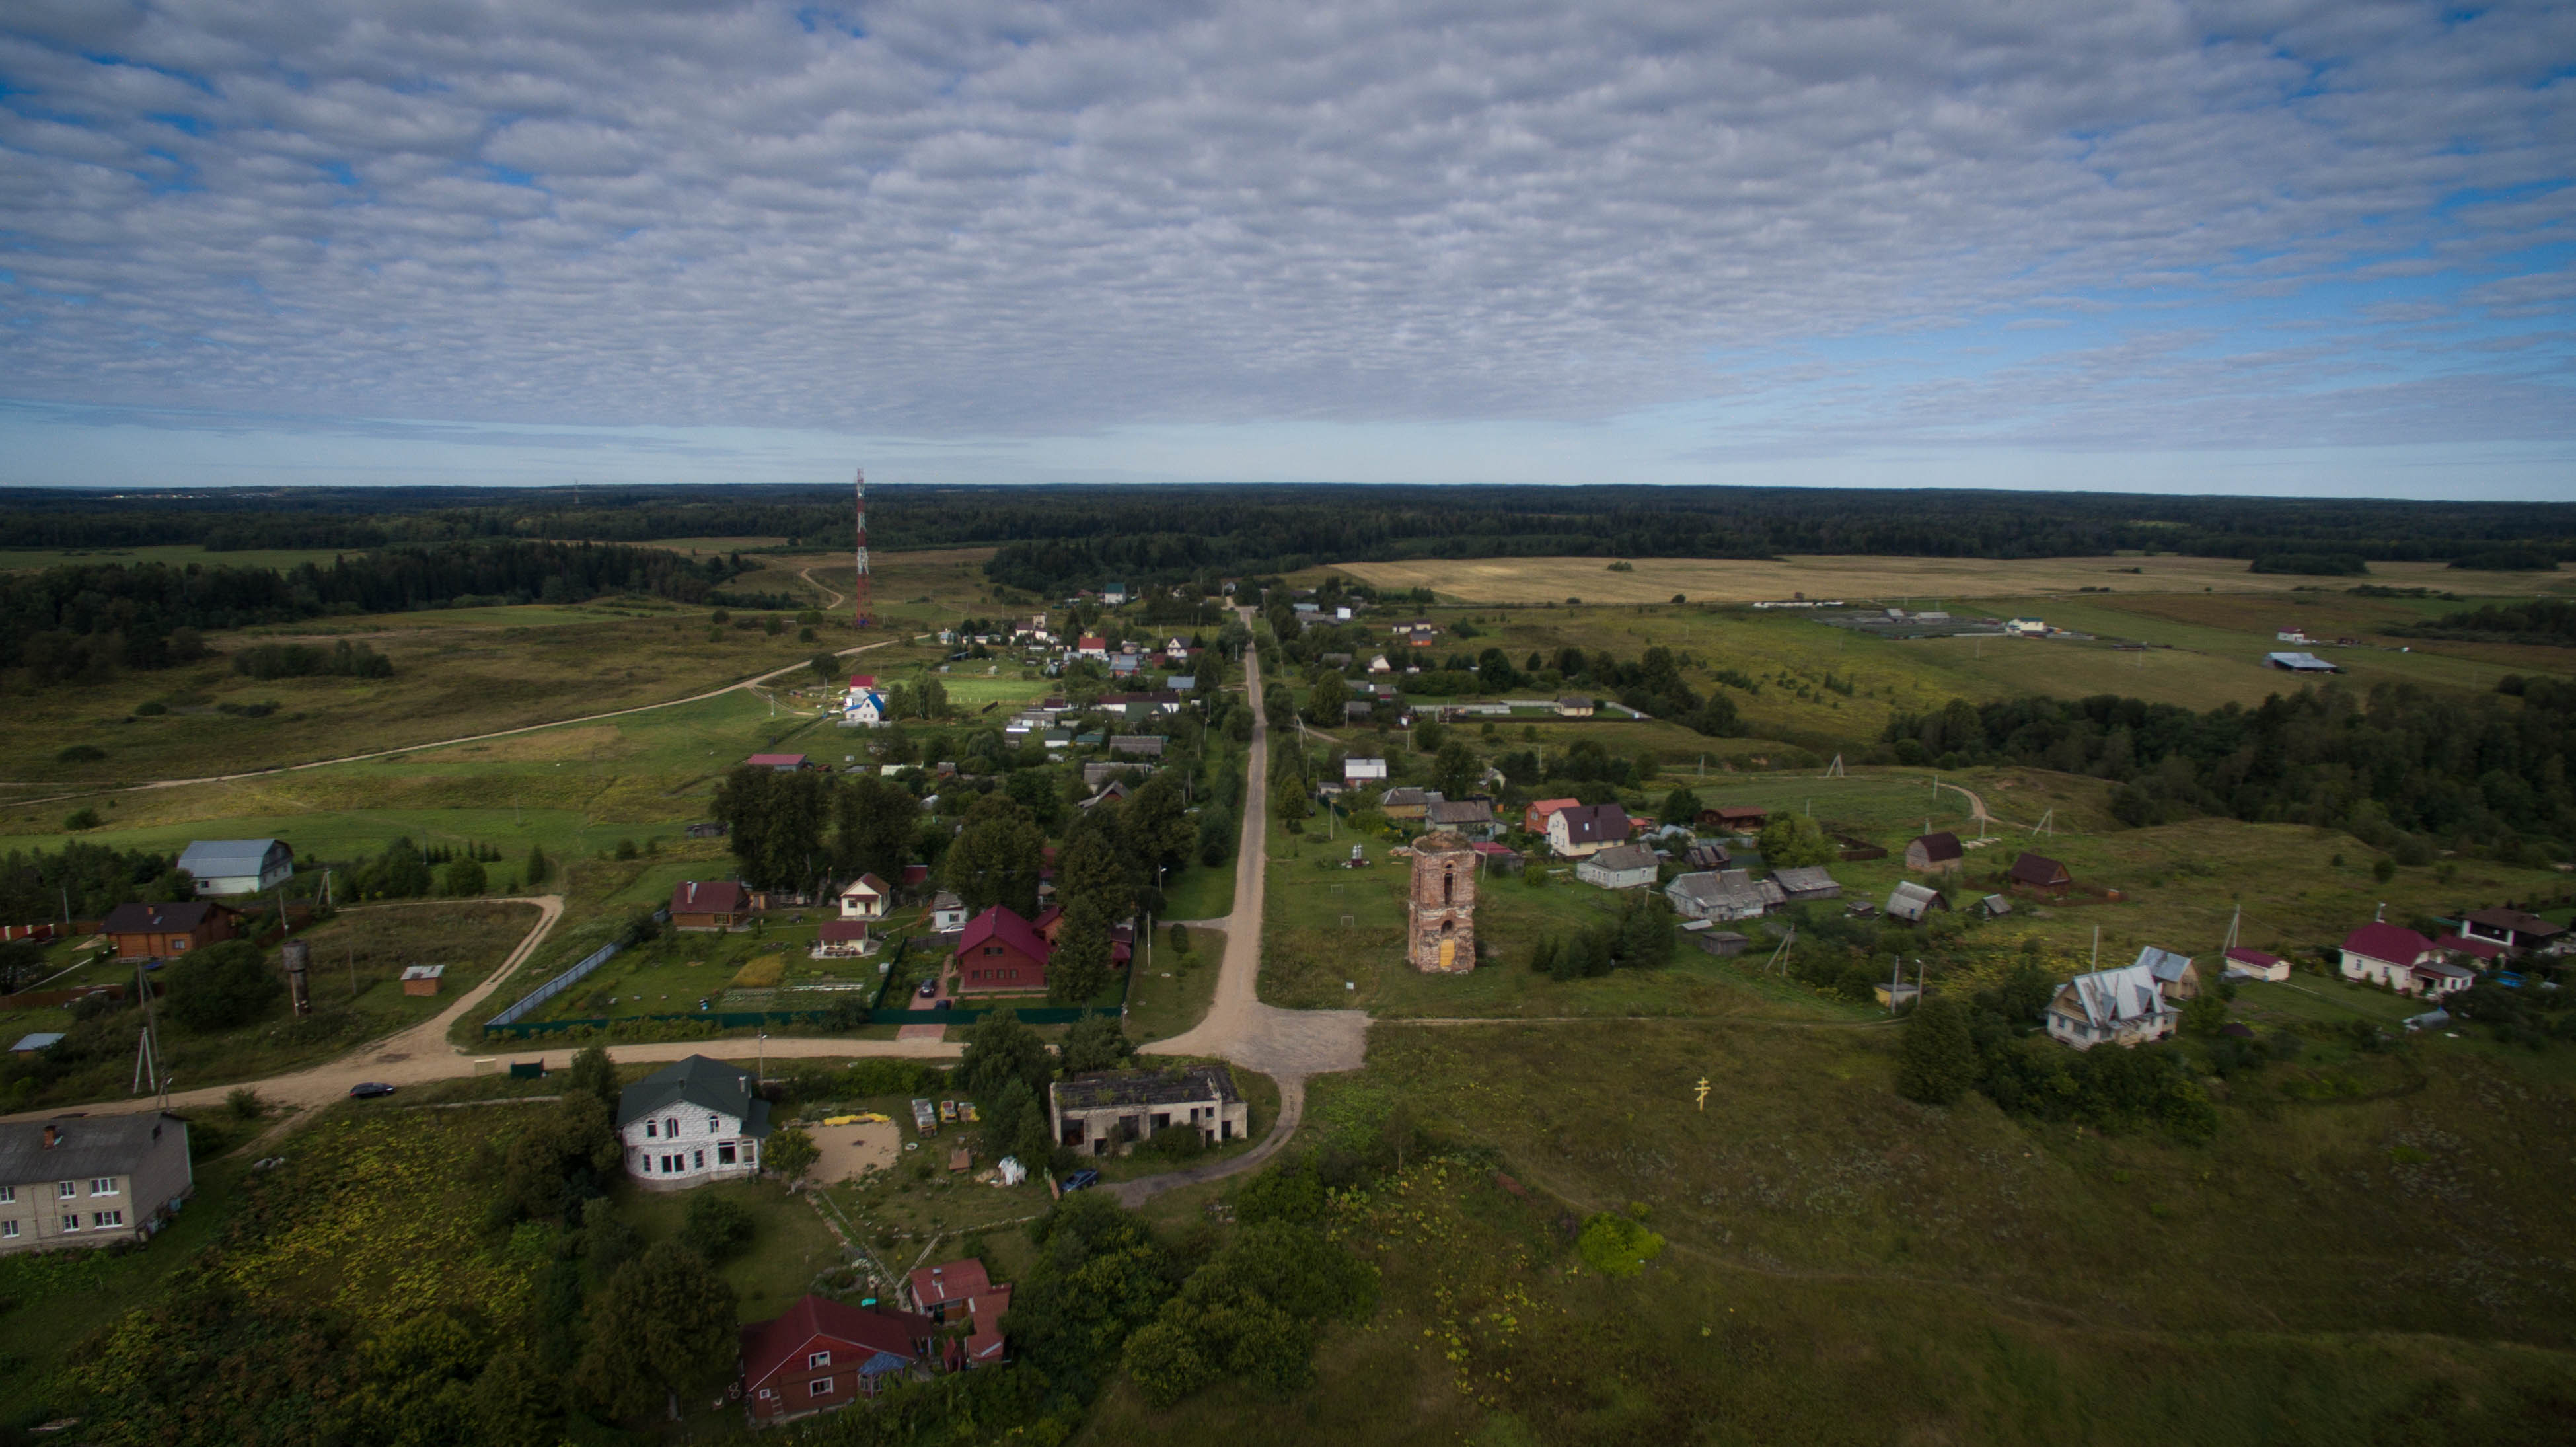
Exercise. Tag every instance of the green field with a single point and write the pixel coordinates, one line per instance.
(173, 554)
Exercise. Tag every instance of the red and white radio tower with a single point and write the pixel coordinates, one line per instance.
(859, 597)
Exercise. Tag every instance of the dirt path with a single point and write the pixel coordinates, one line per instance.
(422, 1054)
(1287, 1045)
(753, 683)
(838, 598)
(1976, 804)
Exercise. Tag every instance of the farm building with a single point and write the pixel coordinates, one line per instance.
(2511, 928)
(820, 1354)
(91, 1180)
(164, 931)
(2247, 964)
(1098, 1111)
(1933, 852)
(1913, 903)
(691, 1122)
(2299, 663)
(1573, 707)
(997, 954)
(1722, 895)
(1722, 943)
(2122, 1006)
(421, 979)
(1801, 883)
(1586, 829)
(238, 866)
(1629, 866)
(2038, 871)
(709, 905)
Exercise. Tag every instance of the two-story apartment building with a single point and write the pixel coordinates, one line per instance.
(91, 1180)
(691, 1122)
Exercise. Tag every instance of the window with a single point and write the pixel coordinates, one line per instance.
(822, 1387)
(178, 944)
(724, 1154)
(818, 1360)
(8, 1228)
(8, 1194)
(103, 1186)
(700, 1163)
(715, 1124)
(671, 1127)
(652, 1130)
(104, 1219)
(767, 1395)
(67, 1190)
(71, 1222)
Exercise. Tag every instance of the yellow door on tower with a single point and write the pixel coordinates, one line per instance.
(1448, 948)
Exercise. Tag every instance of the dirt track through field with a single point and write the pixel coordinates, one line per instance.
(422, 1054)
(753, 684)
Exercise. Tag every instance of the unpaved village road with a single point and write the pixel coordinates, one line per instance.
(747, 683)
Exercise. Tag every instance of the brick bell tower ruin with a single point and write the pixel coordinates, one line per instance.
(1440, 917)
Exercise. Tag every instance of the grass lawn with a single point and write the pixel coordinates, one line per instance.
(2322, 999)
(1201, 892)
(790, 1245)
(1173, 995)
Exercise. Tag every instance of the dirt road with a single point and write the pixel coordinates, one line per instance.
(422, 1054)
(752, 683)
(1287, 1045)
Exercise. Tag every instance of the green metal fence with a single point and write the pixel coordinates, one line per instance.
(753, 1019)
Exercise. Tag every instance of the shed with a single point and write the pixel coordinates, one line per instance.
(1629, 866)
(2245, 964)
(1994, 906)
(1148, 746)
(2174, 974)
(30, 1044)
(422, 979)
(1739, 818)
(1807, 881)
(1723, 942)
(780, 763)
(1913, 903)
(2038, 871)
(1934, 852)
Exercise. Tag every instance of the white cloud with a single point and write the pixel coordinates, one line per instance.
(977, 218)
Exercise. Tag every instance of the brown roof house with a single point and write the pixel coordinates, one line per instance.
(1586, 829)
(820, 1354)
(998, 953)
(2038, 871)
(1934, 852)
(710, 905)
(166, 931)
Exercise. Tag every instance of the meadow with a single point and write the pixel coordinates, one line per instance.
(1989, 1279)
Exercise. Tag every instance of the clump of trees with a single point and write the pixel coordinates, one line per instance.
(1641, 938)
(303, 660)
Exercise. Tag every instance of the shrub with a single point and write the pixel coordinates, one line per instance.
(1618, 1245)
(82, 818)
(1938, 1061)
(244, 1103)
(81, 754)
(221, 986)
(152, 709)
(463, 876)
(718, 1228)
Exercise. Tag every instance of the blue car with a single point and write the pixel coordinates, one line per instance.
(1080, 1179)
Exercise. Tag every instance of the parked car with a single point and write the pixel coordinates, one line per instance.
(1079, 1180)
(928, 988)
(369, 1090)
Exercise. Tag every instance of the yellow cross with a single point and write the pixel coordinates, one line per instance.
(1702, 1089)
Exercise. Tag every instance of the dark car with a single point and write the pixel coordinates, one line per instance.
(1081, 1179)
(929, 988)
(369, 1090)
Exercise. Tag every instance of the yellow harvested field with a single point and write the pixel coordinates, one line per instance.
(1727, 580)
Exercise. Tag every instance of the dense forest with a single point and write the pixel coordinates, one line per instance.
(1054, 538)
(2542, 620)
(84, 617)
(2405, 769)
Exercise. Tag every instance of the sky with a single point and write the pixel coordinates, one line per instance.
(2262, 246)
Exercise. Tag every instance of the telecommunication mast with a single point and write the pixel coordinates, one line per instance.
(859, 594)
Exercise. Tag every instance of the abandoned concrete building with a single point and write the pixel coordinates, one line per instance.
(1102, 1111)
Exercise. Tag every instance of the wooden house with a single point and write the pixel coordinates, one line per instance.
(709, 905)
(167, 931)
(1934, 853)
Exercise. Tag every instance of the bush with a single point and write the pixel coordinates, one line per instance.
(303, 660)
(463, 876)
(1938, 1061)
(718, 1228)
(82, 818)
(222, 986)
(153, 709)
(81, 754)
(244, 1103)
(1618, 1245)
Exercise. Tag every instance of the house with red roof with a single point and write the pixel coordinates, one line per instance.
(998, 953)
(1534, 817)
(820, 1354)
(777, 763)
(2404, 961)
(949, 1286)
(2255, 964)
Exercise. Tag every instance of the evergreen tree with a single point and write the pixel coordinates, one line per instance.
(1097, 1042)
(539, 868)
(1938, 1061)
(1080, 966)
(665, 1323)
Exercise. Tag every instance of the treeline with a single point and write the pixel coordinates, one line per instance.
(1058, 538)
(87, 618)
(86, 881)
(2402, 768)
(2542, 620)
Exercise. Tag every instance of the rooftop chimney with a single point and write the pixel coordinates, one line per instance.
(53, 1137)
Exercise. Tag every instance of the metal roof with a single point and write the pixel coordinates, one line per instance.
(211, 858)
(696, 1081)
(1183, 1086)
(88, 1145)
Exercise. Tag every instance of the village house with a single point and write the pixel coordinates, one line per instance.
(820, 1354)
(2174, 974)
(2402, 960)
(1534, 816)
(1360, 771)
(1628, 866)
(166, 931)
(2122, 1006)
(1914, 903)
(91, 1180)
(1147, 746)
(864, 708)
(1580, 830)
(1380, 665)
(1407, 804)
(1100, 1111)
(2038, 871)
(2511, 928)
(1473, 818)
(237, 866)
(1934, 853)
(998, 953)
(866, 898)
(710, 905)
(777, 763)
(691, 1122)
(1804, 882)
(1574, 706)
(1093, 647)
(1734, 818)
(1722, 895)
(947, 912)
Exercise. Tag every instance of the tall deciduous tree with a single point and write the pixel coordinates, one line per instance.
(1157, 825)
(875, 824)
(1097, 1042)
(1938, 1061)
(665, 1324)
(1324, 706)
(1455, 769)
(1080, 966)
(999, 1048)
(996, 857)
(774, 823)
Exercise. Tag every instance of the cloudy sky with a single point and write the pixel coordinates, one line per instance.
(2258, 245)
